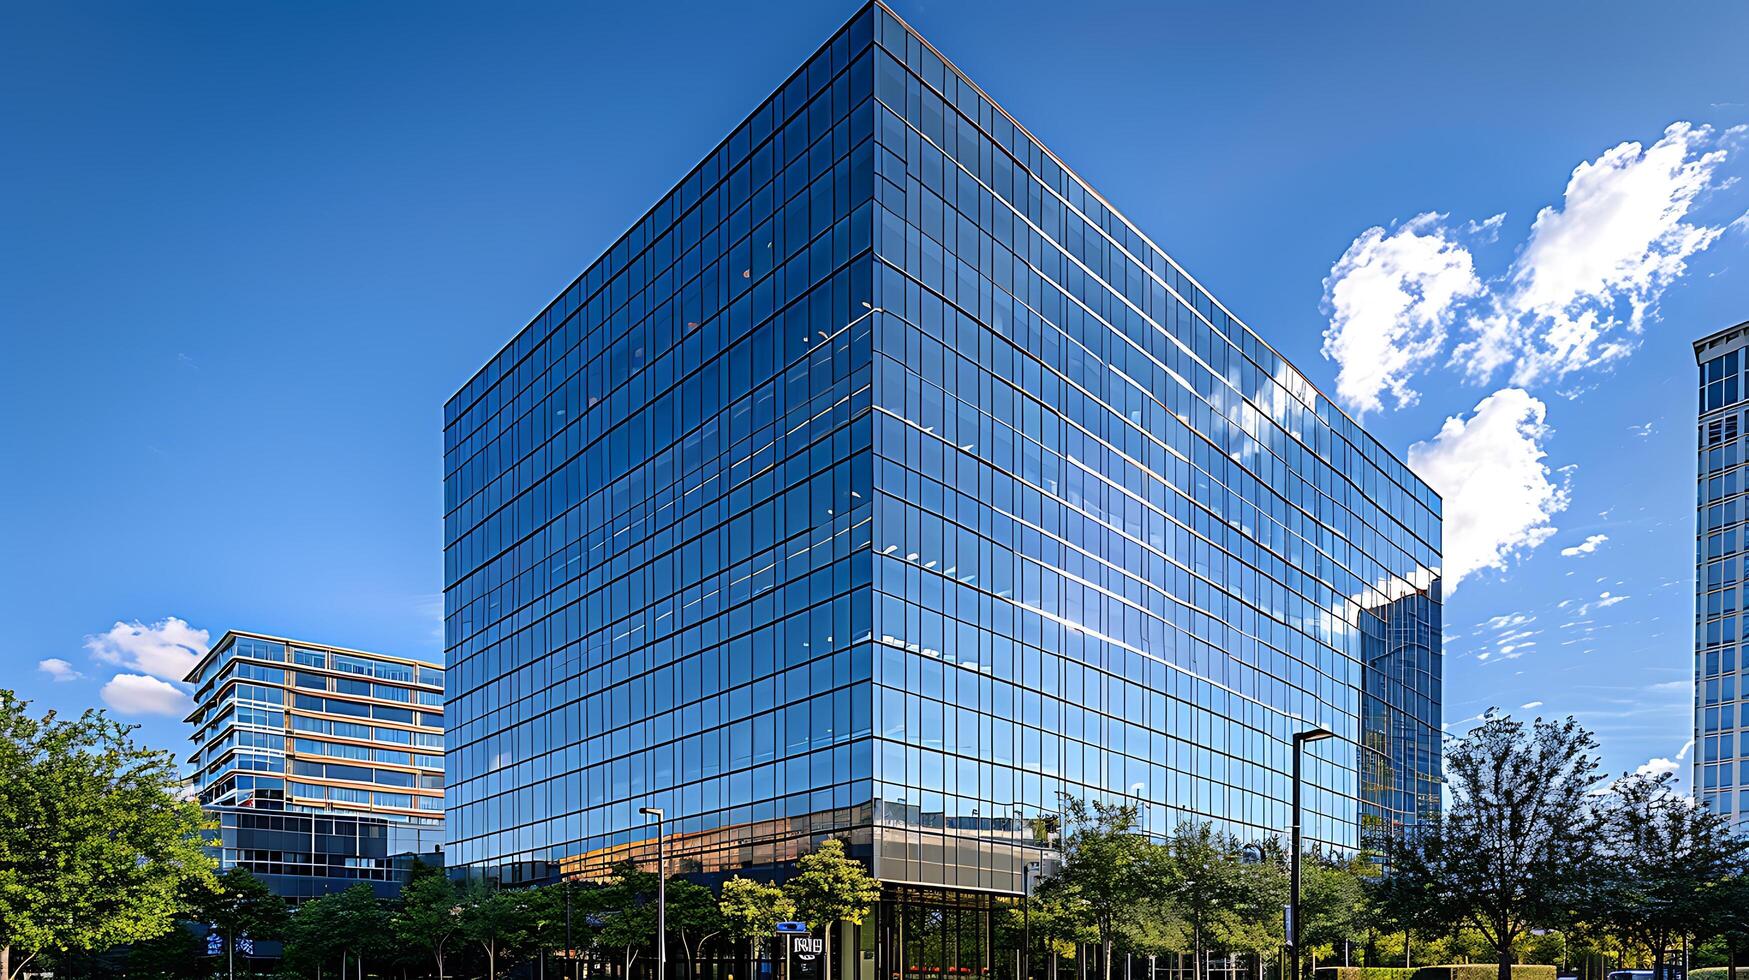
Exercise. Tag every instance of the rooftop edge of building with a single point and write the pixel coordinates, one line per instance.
(1713, 344)
(861, 10)
(206, 657)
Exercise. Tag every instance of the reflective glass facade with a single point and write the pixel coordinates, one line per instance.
(1719, 552)
(884, 482)
(322, 766)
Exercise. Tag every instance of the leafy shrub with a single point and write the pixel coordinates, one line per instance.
(1716, 973)
(1484, 971)
(1365, 973)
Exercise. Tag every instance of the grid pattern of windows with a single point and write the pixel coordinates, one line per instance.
(1123, 548)
(1721, 768)
(883, 480)
(323, 767)
(249, 703)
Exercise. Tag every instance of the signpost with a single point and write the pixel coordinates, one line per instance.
(806, 949)
(801, 947)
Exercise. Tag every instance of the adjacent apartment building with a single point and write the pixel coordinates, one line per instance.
(884, 482)
(322, 766)
(1719, 550)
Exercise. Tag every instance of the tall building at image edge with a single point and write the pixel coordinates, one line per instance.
(1719, 549)
(322, 767)
(883, 482)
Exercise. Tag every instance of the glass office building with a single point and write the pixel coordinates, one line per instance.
(885, 482)
(321, 766)
(1719, 549)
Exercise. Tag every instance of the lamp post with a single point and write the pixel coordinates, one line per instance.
(661, 893)
(1293, 908)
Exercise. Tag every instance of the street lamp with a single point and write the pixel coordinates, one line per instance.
(1293, 908)
(661, 893)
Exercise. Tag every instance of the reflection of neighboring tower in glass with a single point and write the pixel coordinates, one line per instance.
(1719, 623)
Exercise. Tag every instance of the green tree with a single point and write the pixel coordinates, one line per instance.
(545, 909)
(1333, 897)
(495, 919)
(1668, 860)
(96, 846)
(1205, 884)
(240, 903)
(1260, 890)
(831, 887)
(313, 934)
(626, 908)
(1514, 848)
(693, 916)
(363, 925)
(1108, 868)
(176, 955)
(430, 916)
(751, 911)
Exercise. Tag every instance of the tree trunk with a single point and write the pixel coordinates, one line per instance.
(1504, 971)
(1658, 961)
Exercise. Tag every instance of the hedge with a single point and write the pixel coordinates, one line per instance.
(1485, 971)
(1365, 973)
(1469, 971)
(1716, 973)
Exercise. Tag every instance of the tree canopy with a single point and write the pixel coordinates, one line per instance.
(97, 847)
(1520, 836)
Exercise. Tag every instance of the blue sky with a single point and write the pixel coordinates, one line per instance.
(249, 251)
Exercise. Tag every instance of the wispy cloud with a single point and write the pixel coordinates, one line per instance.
(1586, 547)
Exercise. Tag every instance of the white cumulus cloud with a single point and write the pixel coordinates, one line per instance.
(139, 694)
(1499, 495)
(1390, 298)
(59, 670)
(1588, 274)
(1657, 767)
(1592, 269)
(167, 649)
(1586, 547)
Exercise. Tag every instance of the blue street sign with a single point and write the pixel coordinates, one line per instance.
(791, 927)
(215, 944)
(245, 944)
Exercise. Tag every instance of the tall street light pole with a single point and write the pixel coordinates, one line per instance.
(661, 892)
(1293, 908)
